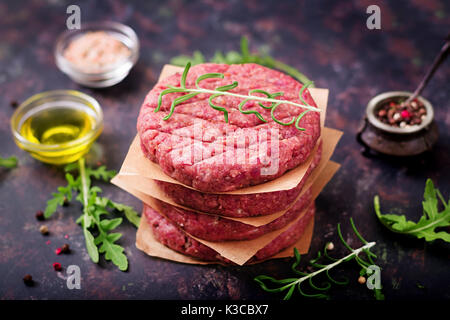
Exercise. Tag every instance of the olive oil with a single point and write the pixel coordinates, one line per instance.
(59, 124)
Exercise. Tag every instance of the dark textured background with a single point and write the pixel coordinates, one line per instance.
(327, 40)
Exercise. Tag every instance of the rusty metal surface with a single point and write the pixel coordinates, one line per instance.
(327, 40)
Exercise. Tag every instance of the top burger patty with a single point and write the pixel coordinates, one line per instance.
(198, 148)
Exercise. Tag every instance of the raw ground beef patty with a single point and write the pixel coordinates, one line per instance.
(171, 236)
(198, 148)
(238, 205)
(214, 228)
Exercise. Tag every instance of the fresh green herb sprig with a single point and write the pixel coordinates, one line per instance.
(234, 57)
(225, 90)
(291, 284)
(428, 222)
(94, 208)
(8, 163)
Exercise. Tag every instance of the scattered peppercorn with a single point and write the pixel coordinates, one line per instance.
(28, 280)
(65, 248)
(362, 280)
(40, 215)
(44, 230)
(65, 202)
(14, 104)
(58, 251)
(57, 266)
(330, 246)
(66, 236)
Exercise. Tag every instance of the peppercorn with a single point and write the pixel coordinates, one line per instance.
(14, 104)
(28, 280)
(391, 113)
(396, 116)
(40, 215)
(401, 114)
(382, 113)
(362, 280)
(405, 114)
(65, 202)
(65, 248)
(58, 251)
(57, 266)
(44, 230)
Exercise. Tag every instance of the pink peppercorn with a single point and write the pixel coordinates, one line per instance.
(58, 251)
(57, 266)
(405, 114)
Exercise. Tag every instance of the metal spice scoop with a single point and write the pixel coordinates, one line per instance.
(412, 140)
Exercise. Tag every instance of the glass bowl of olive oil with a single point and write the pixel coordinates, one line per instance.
(57, 127)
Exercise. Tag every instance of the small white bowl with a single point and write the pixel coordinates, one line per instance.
(109, 76)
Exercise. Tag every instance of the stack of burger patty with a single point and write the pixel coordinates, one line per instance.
(210, 158)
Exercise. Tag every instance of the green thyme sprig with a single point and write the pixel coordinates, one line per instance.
(8, 163)
(225, 90)
(96, 229)
(234, 57)
(291, 284)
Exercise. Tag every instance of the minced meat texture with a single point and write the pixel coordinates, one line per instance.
(199, 149)
(215, 228)
(176, 239)
(238, 205)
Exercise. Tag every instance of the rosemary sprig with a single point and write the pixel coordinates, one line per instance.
(225, 90)
(290, 284)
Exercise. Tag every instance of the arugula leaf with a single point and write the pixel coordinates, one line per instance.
(110, 224)
(90, 245)
(430, 203)
(94, 208)
(101, 173)
(58, 200)
(234, 57)
(428, 222)
(8, 163)
(131, 215)
(112, 251)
